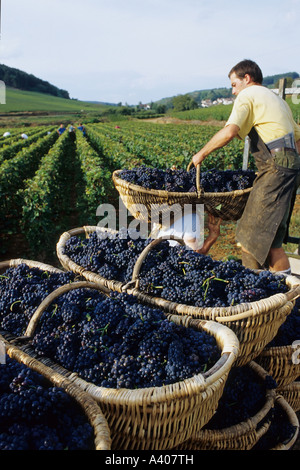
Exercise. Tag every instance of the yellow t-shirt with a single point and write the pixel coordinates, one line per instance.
(260, 107)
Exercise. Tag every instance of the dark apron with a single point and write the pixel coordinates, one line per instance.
(268, 201)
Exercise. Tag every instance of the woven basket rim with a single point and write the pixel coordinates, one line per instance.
(14, 262)
(225, 337)
(163, 193)
(245, 309)
(293, 420)
(92, 410)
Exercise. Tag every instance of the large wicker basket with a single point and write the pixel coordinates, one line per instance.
(92, 410)
(255, 323)
(242, 436)
(147, 204)
(155, 417)
(281, 362)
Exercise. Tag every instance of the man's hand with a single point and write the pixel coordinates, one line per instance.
(198, 158)
(213, 225)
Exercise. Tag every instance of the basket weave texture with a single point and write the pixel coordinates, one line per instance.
(255, 323)
(227, 205)
(155, 417)
(242, 436)
(281, 362)
(102, 437)
(291, 393)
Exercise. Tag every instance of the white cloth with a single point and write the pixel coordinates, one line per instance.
(187, 228)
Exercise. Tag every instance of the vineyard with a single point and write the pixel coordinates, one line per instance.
(51, 183)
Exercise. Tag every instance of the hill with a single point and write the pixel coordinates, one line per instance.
(16, 78)
(30, 108)
(21, 101)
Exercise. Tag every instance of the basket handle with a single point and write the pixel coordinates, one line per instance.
(33, 323)
(198, 171)
(142, 256)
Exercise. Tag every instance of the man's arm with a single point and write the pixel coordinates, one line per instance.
(298, 146)
(220, 139)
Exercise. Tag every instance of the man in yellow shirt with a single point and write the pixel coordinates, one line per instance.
(275, 144)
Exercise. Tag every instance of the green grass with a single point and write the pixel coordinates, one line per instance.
(218, 112)
(26, 101)
(222, 112)
(25, 108)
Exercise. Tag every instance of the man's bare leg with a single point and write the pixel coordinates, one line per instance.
(248, 260)
(278, 260)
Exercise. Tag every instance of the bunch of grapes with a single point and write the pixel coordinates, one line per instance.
(112, 256)
(243, 397)
(117, 342)
(175, 273)
(37, 416)
(213, 180)
(22, 289)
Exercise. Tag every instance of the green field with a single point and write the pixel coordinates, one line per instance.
(49, 184)
(27, 101)
(25, 107)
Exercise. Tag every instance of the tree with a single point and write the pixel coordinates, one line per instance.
(288, 83)
(184, 103)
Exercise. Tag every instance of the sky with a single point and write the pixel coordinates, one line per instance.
(134, 51)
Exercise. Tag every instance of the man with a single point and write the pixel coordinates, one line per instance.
(275, 145)
(61, 129)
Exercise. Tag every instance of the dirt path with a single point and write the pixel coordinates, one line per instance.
(173, 120)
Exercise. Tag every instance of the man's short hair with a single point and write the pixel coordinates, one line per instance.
(247, 67)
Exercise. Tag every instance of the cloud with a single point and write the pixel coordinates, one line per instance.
(139, 51)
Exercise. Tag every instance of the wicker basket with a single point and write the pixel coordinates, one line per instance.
(156, 417)
(102, 437)
(254, 323)
(226, 205)
(291, 393)
(242, 436)
(279, 362)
